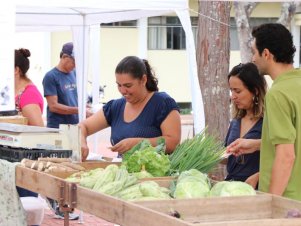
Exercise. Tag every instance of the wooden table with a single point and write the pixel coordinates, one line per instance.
(259, 210)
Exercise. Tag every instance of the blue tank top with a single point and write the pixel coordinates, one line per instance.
(148, 122)
(240, 169)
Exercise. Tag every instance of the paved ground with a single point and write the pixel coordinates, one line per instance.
(99, 149)
(87, 220)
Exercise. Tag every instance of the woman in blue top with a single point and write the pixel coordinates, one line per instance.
(248, 89)
(141, 113)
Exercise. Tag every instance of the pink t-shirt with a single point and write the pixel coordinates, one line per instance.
(30, 95)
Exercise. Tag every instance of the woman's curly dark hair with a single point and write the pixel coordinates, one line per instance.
(255, 83)
(22, 61)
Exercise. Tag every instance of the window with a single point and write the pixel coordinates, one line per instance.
(129, 23)
(167, 33)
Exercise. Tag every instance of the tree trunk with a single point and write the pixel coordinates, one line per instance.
(213, 52)
(242, 15)
(243, 11)
(288, 10)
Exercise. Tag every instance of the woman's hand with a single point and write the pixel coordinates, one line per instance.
(89, 126)
(85, 151)
(84, 145)
(125, 145)
(243, 146)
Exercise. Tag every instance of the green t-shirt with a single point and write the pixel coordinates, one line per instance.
(282, 125)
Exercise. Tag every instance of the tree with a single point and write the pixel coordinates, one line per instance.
(288, 10)
(243, 11)
(213, 53)
(213, 49)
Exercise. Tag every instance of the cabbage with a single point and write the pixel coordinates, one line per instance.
(237, 188)
(191, 189)
(193, 175)
(216, 189)
(192, 184)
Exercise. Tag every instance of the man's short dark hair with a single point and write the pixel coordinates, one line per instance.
(277, 39)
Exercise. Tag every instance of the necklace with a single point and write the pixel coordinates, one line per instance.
(145, 97)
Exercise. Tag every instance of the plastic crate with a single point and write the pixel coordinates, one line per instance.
(16, 154)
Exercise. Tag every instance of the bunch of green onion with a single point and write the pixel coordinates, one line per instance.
(202, 152)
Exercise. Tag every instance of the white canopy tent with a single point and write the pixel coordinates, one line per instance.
(83, 18)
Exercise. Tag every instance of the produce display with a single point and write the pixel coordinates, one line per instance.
(116, 181)
(52, 165)
(232, 188)
(188, 165)
(194, 184)
(144, 156)
(189, 181)
(202, 152)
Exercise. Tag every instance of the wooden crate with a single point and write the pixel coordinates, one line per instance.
(90, 165)
(46, 184)
(262, 209)
(17, 119)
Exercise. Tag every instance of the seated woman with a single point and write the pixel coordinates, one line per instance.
(141, 113)
(248, 89)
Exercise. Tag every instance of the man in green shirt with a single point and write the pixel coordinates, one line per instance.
(280, 157)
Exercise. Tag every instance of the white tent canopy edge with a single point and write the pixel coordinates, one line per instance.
(80, 15)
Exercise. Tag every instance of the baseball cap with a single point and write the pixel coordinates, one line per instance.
(68, 49)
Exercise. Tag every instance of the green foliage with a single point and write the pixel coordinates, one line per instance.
(149, 158)
(140, 146)
(202, 152)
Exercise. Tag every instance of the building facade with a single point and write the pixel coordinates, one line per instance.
(165, 49)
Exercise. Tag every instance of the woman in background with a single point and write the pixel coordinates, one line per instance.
(28, 99)
(248, 89)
